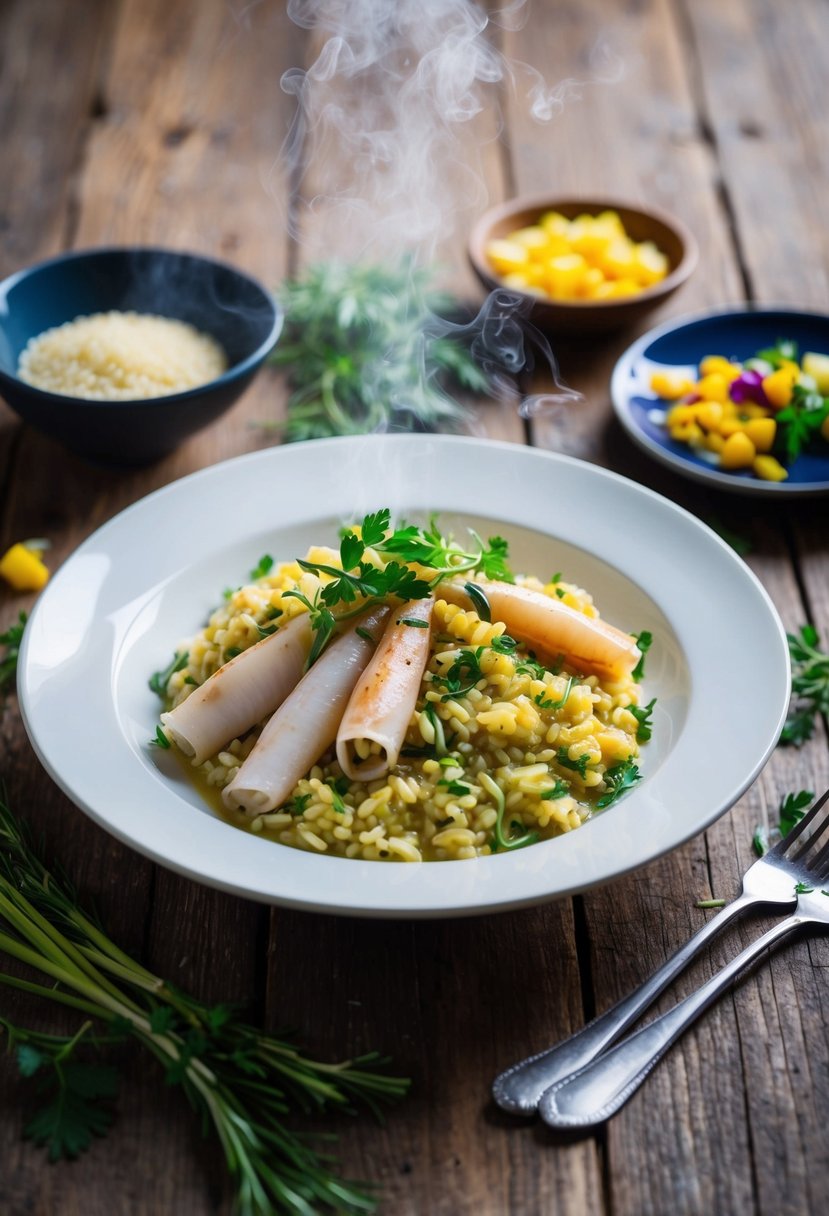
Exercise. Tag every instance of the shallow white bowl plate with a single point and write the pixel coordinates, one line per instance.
(146, 581)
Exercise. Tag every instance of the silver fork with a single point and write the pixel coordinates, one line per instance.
(598, 1090)
(770, 882)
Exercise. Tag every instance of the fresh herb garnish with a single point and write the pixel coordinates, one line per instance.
(558, 791)
(618, 779)
(803, 888)
(265, 631)
(262, 568)
(792, 809)
(463, 675)
(810, 685)
(364, 353)
(337, 791)
(364, 634)
(160, 679)
(644, 641)
(710, 903)
(458, 788)
(160, 739)
(503, 644)
(800, 421)
(784, 351)
(413, 622)
(530, 667)
(11, 639)
(297, 804)
(479, 601)
(644, 725)
(242, 1083)
(577, 766)
(543, 703)
(499, 839)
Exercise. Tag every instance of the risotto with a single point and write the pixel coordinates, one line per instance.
(459, 736)
(121, 356)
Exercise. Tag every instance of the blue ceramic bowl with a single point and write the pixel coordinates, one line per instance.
(214, 297)
(737, 333)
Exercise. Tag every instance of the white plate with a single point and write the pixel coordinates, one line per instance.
(144, 582)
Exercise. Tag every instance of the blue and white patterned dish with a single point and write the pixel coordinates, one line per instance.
(737, 333)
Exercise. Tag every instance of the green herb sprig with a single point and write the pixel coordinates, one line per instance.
(242, 1083)
(621, 777)
(11, 639)
(810, 685)
(361, 353)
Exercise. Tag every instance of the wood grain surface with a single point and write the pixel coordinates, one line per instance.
(161, 121)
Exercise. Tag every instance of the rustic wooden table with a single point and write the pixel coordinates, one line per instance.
(160, 121)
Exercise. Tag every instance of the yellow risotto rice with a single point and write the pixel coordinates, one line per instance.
(439, 802)
(121, 356)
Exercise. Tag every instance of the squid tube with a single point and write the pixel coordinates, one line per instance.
(381, 705)
(306, 723)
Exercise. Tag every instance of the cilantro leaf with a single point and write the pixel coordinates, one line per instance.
(72, 1112)
(374, 527)
(577, 766)
(792, 809)
(642, 714)
(262, 568)
(160, 679)
(644, 641)
(618, 779)
(810, 685)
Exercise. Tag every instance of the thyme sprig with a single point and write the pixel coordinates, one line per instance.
(241, 1082)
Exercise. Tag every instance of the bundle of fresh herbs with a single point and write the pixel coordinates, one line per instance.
(242, 1083)
(364, 351)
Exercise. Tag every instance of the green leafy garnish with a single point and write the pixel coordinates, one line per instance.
(297, 804)
(803, 888)
(792, 809)
(11, 639)
(618, 779)
(577, 766)
(503, 644)
(363, 352)
(499, 839)
(463, 675)
(479, 601)
(784, 351)
(558, 791)
(800, 421)
(413, 622)
(544, 703)
(160, 679)
(644, 725)
(262, 568)
(810, 685)
(160, 739)
(644, 641)
(243, 1084)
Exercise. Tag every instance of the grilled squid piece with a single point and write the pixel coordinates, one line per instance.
(381, 705)
(241, 693)
(305, 724)
(588, 644)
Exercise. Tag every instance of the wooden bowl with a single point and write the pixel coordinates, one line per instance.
(587, 316)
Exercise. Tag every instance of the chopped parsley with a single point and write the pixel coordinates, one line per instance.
(792, 809)
(803, 888)
(618, 779)
(644, 725)
(160, 739)
(297, 804)
(160, 679)
(262, 568)
(810, 685)
(558, 791)
(644, 641)
(544, 703)
(499, 839)
(413, 622)
(577, 766)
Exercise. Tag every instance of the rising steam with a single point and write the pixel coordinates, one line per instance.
(379, 149)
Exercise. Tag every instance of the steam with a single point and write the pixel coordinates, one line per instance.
(379, 148)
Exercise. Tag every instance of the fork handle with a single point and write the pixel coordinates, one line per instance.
(600, 1089)
(519, 1088)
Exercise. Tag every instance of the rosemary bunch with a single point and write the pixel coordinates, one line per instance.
(365, 351)
(242, 1083)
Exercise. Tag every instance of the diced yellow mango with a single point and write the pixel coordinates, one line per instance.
(721, 365)
(686, 432)
(532, 238)
(713, 387)
(506, 256)
(680, 414)
(730, 426)
(817, 366)
(650, 264)
(779, 386)
(555, 223)
(738, 452)
(23, 569)
(709, 414)
(670, 384)
(769, 469)
(750, 409)
(761, 432)
(565, 275)
(713, 441)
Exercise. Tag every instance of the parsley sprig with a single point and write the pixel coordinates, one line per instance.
(11, 639)
(621, 777)
(243, 1084)
(800, 421)
(810, 685)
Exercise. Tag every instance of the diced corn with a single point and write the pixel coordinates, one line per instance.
(507, 256)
